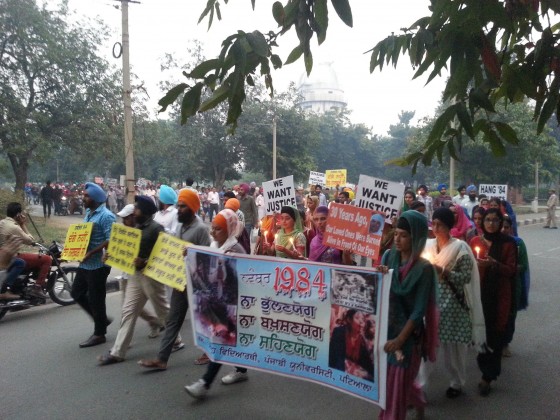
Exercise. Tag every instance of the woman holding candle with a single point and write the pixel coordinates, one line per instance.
(323, 253)
(497, 265)
(290, 241)
(478, 216)
(312, 202)
(412, 288)
(461, 319)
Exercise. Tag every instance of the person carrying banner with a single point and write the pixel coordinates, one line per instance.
(411, 298)
(141, 288)
(497, 264)
(290, 241)
(224, 230)
(192, 229)
(319, 252)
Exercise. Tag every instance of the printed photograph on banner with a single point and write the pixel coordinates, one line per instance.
(215, 294)
(354, 290)
(352, 342)
(376, 224)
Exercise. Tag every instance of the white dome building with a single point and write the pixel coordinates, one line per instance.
(321, 91)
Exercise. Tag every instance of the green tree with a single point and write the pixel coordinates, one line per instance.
(54, 90)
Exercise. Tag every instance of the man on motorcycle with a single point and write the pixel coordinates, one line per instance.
(10, 268)
(89, 287)
(15, 225)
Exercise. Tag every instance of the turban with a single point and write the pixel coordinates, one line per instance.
(227, 220)
(470, 189)
(232, 204)
(441, 186)
(322, 210)
(289, 211)
(190, 198)
(96, 193)
(445, 216)
(167, 195)
(245, 187)
(146, 205)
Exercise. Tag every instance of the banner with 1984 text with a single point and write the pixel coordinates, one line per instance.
(318, 322)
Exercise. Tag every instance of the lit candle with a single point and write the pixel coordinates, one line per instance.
(275, 238)
(292, 242)
(477, 250)
(265, 237)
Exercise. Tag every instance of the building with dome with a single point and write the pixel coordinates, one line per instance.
(321, 91)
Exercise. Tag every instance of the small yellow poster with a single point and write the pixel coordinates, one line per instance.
(334, 177)
(77, 241)
(166, 263)
(123, 248)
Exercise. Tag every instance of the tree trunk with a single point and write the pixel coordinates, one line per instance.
(20, 165)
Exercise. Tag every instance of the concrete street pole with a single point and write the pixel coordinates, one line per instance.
(274, 147)
(128, 141)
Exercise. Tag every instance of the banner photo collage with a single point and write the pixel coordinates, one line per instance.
(318, 322)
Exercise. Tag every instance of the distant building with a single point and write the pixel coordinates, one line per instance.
(321, 91)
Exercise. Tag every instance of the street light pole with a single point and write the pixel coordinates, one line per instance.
(274, 147)
(128, 141)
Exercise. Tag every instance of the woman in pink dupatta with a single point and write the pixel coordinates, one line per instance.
(319, 252)
(462, 223)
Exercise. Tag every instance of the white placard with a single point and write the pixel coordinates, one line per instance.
(493, 190)
(278, 193)
(317, 178)
(380, 195)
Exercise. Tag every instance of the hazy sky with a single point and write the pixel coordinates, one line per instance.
(165, 26)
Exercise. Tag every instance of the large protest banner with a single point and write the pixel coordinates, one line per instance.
(335, 177)
(317, 178)
(380, 195)
(354, 229)
(77, 241)
(493, 190)
(319, 322)
(278, 193)
(124, 244)
(166, 263)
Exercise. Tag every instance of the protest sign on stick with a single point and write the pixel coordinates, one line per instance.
(379, 195)
(317, 178)
(493, 190)
(335, 177)
(123, 248)
(291, 318)
(354, 229)
(77, 241)
(278, 193)
(166, 263)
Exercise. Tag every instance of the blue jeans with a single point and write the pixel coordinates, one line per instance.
(14, 270)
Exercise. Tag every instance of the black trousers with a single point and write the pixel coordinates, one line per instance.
(490, 363)
(89, 290)
(47, 206)
(178, 308)
(212, 371)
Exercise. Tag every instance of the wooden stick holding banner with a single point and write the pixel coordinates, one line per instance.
(124, 245)
(166, 263)
(77, 241)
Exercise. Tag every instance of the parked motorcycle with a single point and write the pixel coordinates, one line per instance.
(58, 285)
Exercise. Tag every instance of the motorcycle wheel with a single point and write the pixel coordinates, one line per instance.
(3, 312)
(60, 291)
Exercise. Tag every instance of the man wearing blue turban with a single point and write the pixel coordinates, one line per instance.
(89, 286)
(440, 200)
(167, 212)
(471, 201)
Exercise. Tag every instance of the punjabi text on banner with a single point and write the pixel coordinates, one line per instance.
(335, 177)
(123, 248)
(317, 178)
(166, 263)
(77, 241)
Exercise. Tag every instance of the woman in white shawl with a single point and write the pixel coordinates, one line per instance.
(461, 319)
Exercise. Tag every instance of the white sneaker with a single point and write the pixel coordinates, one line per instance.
(234, 377)
(155, 330)
(197, 390)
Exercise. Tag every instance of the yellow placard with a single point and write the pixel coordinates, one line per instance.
(334, 177)
(77, 241)
(166, 263)
(123, 248)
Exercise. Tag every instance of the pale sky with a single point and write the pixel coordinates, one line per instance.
(165, 26)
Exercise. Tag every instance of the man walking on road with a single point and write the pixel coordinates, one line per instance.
(249, 208)
(46, 195)
(191, 229)
(89, 288)
(141, 288)
(551, 210)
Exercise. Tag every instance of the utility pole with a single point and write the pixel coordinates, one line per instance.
(274, 147)
(128, 141)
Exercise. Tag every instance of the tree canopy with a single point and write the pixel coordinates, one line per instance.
(493, 50)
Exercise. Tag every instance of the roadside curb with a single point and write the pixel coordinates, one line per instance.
(534, 221)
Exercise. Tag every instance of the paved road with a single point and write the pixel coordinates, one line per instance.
(45, 375)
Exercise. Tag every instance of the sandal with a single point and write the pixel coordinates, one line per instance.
(202, 360)
(153, 364)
